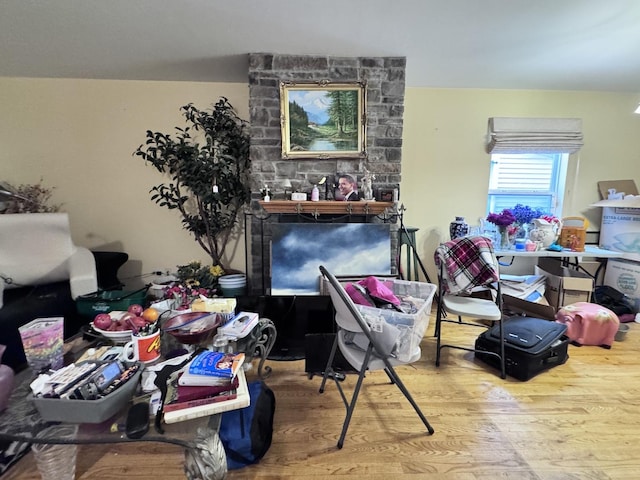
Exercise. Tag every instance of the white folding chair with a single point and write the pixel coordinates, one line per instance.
(466, 266)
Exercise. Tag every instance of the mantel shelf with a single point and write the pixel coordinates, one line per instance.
(326, 207)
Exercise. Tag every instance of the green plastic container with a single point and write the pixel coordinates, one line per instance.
(109, 301)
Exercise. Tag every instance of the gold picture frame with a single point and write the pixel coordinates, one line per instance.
(323, 119)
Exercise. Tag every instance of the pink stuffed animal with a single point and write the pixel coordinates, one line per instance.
(589, 324)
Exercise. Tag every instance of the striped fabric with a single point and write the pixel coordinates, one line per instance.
(469, 262)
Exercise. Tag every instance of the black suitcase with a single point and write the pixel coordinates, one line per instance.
(531, 345)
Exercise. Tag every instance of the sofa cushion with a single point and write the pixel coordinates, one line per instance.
(34, 248)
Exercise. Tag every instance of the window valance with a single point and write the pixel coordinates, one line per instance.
(541, 135)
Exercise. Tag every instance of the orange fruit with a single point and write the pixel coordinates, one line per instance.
(150, 314)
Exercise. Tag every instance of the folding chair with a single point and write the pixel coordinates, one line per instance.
(467, 266)
(376, 355)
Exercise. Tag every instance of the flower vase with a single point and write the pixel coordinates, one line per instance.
(505, 242)
(458, 228)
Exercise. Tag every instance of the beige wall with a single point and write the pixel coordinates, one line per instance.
(79, 136)
(445, 170)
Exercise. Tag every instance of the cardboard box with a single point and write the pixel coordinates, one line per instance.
(518, 306)
(620, 227)
(624, 276)
(627, 187)
(620, 231)
(564, 285)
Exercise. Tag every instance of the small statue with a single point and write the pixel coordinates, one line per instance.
(367, 184)
(266, 193)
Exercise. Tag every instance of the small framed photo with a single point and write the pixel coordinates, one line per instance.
(346, 187)
(385, 195)
(323, 119)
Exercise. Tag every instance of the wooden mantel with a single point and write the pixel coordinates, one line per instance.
(326, 207)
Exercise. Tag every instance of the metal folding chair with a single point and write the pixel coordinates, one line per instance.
(374, 357)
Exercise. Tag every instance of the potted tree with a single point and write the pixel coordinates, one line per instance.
(208, 166)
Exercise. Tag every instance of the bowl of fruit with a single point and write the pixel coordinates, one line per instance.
(118, 325)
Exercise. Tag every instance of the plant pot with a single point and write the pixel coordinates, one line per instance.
(233, 285)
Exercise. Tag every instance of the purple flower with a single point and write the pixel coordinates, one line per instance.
(502, 219)
(525, 214)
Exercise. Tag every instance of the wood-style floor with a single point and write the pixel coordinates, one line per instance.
(580, 420)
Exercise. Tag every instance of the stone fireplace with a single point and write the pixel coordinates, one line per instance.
(385, 85)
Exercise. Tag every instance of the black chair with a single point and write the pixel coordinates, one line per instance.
(375, 356)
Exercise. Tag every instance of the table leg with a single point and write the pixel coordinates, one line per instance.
(259, 344)
(206, 460)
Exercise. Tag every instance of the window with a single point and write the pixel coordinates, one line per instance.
(529, 159)
(533, 179)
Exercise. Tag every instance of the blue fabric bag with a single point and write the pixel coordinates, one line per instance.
(246, 433)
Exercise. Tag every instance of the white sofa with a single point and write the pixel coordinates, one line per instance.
(36, 249)
(41, 274)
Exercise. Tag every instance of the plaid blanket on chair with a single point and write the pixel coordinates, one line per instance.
(468, 262)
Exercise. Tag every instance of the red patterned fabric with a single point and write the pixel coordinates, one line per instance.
(468, 262)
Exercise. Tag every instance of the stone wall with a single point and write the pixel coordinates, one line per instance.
(385, 86)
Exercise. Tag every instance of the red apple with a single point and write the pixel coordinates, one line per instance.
(135, 309)
(120, 326)
(102, 321)
(139, 322)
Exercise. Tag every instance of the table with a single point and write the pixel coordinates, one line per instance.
(204, 454)
(567, 257)
(589, 251)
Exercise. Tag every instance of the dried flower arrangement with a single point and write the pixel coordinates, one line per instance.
(29, 198)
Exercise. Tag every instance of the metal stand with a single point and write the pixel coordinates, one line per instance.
(408, 237)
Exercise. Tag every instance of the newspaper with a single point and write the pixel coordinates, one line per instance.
(525, 287)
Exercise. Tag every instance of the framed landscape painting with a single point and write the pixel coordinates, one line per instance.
(323, 119)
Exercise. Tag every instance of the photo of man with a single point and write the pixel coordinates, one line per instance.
(347, 188)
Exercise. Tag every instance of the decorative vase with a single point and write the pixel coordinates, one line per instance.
(6, 381)
(505, 241)
(458, 228)
(544, 232)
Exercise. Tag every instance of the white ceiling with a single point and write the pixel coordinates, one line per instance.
(510, 44)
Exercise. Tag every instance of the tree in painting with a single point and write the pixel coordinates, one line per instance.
(344, 111)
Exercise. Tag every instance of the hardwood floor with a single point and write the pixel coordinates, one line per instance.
(576, 421)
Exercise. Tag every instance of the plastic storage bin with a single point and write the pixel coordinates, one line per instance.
(87, 411)
(108, 301)
(412, 326)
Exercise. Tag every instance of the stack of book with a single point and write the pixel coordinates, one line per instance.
(213, 382)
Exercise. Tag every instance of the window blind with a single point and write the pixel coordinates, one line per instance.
(540, 135)
(525, 173)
